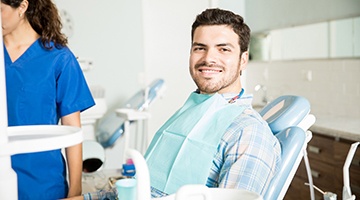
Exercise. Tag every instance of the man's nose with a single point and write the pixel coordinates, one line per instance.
(210, 56)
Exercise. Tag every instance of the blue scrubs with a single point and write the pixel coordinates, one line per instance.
(42, 86)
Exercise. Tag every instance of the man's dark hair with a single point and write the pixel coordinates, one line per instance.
(216, 16)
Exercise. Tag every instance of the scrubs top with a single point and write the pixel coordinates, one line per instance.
(42, 86)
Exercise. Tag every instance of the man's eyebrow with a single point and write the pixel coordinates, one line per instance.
(225, 44)
(198, 44)
(218, 45)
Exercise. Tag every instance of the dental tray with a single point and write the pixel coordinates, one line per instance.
(111, 127)
(36, 138)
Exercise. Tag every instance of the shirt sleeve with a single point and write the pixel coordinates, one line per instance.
(155, 193)
(101, 195)
(247, 157)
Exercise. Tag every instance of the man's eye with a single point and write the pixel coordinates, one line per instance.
(224, 49)
(199, 48)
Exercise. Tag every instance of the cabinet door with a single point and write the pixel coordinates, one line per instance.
(321, 148)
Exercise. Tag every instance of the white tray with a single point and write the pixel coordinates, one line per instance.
(35, 138)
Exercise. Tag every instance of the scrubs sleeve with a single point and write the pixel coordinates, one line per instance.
(73, 93)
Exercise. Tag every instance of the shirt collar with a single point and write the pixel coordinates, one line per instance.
(245, 99)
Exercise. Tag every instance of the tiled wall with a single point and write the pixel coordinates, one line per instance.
(331, 86)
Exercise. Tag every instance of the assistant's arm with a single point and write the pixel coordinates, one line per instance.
(74, 157)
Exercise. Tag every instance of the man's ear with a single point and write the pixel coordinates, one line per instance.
(244, 59)
(23, 7)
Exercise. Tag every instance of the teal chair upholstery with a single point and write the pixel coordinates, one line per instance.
(289, 119)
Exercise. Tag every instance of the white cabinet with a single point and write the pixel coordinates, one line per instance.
(334, 39)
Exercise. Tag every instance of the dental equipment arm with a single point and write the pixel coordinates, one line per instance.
(346, 189)
(111, 127)
(130, 115)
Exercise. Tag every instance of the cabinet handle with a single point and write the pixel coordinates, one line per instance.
(314, 149)
(315, 174)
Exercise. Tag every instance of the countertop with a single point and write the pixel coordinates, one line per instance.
(338, 127)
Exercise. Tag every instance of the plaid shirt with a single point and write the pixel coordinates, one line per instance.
(247, 157)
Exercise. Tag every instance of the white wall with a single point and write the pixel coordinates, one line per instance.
(331, 86)
(109, 33)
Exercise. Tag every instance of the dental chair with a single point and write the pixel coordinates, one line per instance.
(111, 127)
(289, 119)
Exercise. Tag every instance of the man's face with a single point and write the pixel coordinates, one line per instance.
(215, 61)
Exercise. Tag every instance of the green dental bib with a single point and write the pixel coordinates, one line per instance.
(183, 149)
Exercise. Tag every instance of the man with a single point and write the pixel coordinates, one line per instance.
(216, 138)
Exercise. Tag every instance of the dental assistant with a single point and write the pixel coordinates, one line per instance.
(216, 138)
(45, 85)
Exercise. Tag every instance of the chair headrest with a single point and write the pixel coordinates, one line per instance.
(285, 111)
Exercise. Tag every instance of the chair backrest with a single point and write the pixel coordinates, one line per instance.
(292, 141)
(285, 111)
(288, 117)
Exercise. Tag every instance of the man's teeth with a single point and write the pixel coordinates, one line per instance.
(209, 70)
